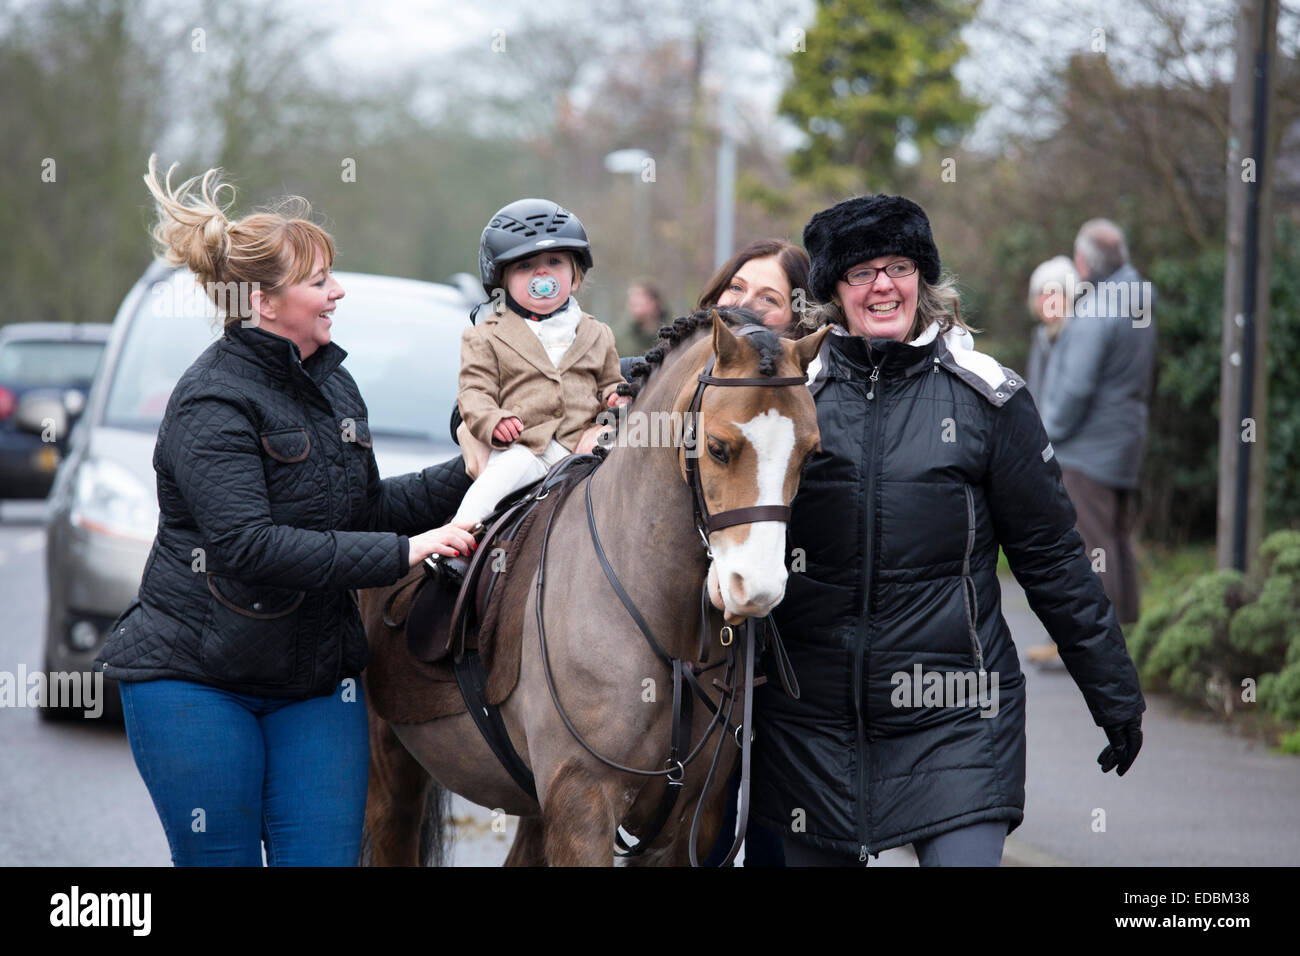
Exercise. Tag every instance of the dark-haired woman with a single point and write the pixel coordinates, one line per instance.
(769, 276)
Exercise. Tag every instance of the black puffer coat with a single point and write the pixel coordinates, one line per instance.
(271, 512)
(899, 519)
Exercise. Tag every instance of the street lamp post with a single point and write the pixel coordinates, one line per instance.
(724, 206)
(632, 162)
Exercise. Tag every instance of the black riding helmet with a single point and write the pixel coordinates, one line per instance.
(526, 227)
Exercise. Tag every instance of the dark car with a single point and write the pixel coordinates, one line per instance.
(46, 370)
(402, 337)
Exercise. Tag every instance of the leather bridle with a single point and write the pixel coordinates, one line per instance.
(685, 675)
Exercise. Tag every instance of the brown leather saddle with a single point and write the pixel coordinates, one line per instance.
(453, 600)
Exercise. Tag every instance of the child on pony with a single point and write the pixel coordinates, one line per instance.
(535, 369)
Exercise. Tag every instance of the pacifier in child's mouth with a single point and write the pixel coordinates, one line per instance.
(543, 287)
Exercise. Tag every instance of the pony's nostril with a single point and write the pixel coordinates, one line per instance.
(736, 584)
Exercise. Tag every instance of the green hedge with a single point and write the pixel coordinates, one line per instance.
(1180, 475)
(1203, 642)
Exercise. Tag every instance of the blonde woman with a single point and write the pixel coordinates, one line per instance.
(239, 672)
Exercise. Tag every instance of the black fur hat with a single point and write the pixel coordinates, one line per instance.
(863, 228)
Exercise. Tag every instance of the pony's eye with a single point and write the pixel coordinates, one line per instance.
(718, 451)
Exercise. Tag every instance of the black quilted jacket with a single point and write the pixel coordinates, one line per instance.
(271, 512)
(894, 541)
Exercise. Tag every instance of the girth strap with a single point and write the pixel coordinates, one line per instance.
(487, 717)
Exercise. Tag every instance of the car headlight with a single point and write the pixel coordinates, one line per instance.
(108, 499)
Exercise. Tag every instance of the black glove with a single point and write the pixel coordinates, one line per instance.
(1125, 742)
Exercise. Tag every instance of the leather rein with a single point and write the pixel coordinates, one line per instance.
(686, 675)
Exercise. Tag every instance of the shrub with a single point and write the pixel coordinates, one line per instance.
(1202, 642)
(1192, 649)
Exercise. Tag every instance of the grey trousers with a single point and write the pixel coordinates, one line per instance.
(979, 844)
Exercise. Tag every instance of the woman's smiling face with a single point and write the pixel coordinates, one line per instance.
(302, 312)
(762, 285)
(883, 308)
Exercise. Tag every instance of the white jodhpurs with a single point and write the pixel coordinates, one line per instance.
(506, 471)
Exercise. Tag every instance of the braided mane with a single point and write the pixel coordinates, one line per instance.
(683, 328)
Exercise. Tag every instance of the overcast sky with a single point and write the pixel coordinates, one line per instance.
(1011, 41)
(1006, 43)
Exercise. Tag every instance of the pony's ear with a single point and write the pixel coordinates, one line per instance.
(725, 344)
(806, 348)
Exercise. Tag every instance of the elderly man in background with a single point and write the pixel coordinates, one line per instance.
(1093, 400)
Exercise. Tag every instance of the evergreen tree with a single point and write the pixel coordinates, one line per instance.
(874, 75)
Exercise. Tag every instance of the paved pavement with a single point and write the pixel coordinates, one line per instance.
(1197, 795)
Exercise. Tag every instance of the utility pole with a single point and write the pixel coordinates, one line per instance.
(1243, 392)
(724, 208)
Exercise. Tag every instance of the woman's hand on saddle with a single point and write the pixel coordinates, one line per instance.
(451, 540)
(507, 430)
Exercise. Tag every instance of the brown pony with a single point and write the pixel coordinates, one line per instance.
(752, 442)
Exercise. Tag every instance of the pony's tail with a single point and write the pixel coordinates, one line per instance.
(436, 837)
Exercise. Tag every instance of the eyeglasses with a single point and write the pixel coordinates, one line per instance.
(867, 275)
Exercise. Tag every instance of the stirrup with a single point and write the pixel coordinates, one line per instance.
(452, 570)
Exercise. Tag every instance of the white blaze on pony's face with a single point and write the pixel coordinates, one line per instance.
(754, 441)
(747, 576)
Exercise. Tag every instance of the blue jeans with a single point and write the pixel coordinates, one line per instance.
(228, 771)
(979, 844)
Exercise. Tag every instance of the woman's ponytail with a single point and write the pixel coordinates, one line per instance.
(267, 250)
(192, 229)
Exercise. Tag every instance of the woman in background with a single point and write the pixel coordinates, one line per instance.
(769, 276)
